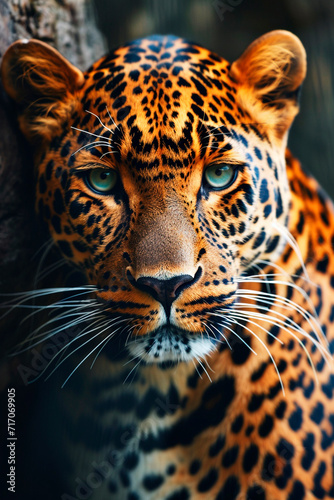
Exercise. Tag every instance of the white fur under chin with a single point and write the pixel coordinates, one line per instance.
(168, 347)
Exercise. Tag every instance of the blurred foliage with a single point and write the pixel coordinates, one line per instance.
(227, 27)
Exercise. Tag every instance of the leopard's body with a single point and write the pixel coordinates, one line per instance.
(218, 382)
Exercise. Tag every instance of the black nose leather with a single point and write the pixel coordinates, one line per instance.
(165, 291)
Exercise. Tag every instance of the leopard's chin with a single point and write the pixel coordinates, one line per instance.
(171, 345)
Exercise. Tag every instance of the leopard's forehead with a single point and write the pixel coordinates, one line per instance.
(157, 66)
(164, 89)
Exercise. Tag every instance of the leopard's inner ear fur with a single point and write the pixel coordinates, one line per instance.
(270, 73)
(43, 84)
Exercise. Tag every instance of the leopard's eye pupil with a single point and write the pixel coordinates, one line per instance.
(101, 180)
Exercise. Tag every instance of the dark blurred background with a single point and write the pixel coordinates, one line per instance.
(228, 27)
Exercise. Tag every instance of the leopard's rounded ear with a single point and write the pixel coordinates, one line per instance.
(273, 68)
(42, 83)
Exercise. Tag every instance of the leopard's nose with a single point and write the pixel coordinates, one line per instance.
(165, 291)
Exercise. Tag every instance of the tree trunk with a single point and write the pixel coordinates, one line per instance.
(69, 26)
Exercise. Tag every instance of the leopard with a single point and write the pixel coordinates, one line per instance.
(200, 359)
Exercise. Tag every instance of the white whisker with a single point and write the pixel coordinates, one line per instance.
(286, 325)
(283, 302)
(275, 321)
(84, 359)
(63, 350)
(40, 264)
(135, 366)
(103, 125)
(234, 333)
(233, 320)
(108, 153)
(219, 332)
(107, 340)
(203, 367)
(91, 146)
(111, 118)
(285, 283)
(50, 333)
(42, 247)
(292, 242)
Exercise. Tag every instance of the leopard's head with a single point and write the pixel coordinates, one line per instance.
(161, 175)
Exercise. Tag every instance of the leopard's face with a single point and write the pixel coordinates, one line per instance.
(164, 181)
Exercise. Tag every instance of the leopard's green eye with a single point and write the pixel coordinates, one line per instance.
(220, 176)
(101, 180)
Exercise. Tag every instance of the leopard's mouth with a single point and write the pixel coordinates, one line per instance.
(171, 344)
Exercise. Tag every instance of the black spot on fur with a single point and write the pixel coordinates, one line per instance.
(230, 490)
(296, 418)
(181, 494)
(256, 492)
(237, 424)
(65, 248)
(309, 453)
(297, 492)
(58, 203)
(195, 467)
(208, 481)
(217, 446)
(269, 467)
(76, 209)
(255, 402)
(266, 426)
(285, 449)
(152, 482)
(322, 264)
(251, 457)
(230, 456)
(65, 151)
(241, 351)
(42, 184)
(264, 193)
